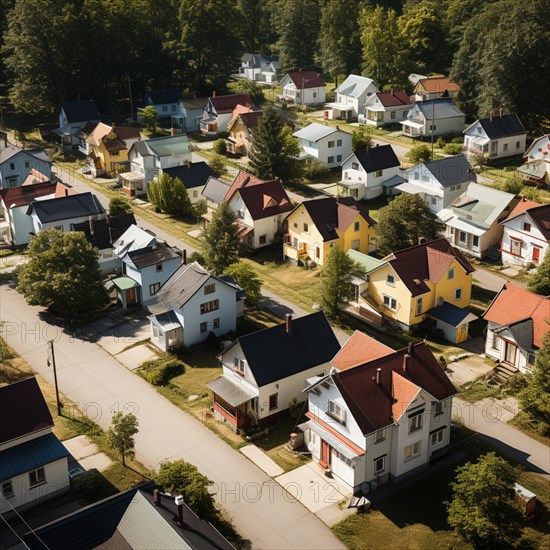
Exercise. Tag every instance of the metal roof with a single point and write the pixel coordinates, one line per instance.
(315, 132)
(451, 314)
(125, 283)
(355, 86)
(235, 394)
(65, 208)
(215, 190)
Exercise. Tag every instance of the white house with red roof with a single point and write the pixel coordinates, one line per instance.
(303, 88)
(220, 109)
(517, 322)
(386, 108)
(526, 234)
(378, 416)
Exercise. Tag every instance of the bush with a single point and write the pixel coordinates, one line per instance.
(217, 163)
(160, 371)
(440, 143)
(419, 153)
(196, 257)
(220, 147)
(458, 139)
(316, 169)
(513, 185)
(516, 383)
(92, 486)
(531, 193)
(453, 149)
(6, 252)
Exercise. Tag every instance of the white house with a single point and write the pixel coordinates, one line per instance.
(383, 419)
(190, 305)
(303, 88)
(194, 107)
(439, 182)
(537, 161)
(517, 323)
(33, 462)
(437, 117)
(220, 109)
(148, 157)
(266, 371)
(496, 136)
(386, 108)
(365, 171)
(526, 234)
(351, 97)
(327, 144)
(169, 107)
(72, 117)
(472, 221)
(214, 193)
(16, 164)
(433, 87)
(134, 238)
(259, 68)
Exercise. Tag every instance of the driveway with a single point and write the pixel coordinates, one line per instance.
(468, 369)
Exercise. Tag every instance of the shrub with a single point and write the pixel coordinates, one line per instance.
(513, 185)
(220, 147)
(217, 163)
(440, 143)
(419, 153)
(458, 139)
(531, 193)
(516, 383)
(316, 169)
(160, 371)
(196, 257)
(453, 149)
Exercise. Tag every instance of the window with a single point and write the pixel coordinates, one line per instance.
(262, 239)
(330, 144)
(392, 115)
(475, 241)
(378, 173)
(12, 166)
(240, 213)
(505, 147)
(517, 144)
(217, 322)
(7, 489)
(338, 158)
(379, 464)
(515, 247)
(355, 166)
(173, 107)
(419, 306)
(434, 201)
(390, 302)
(357, 226)
(239, 365)
(438, 408)
(526, 227)
(210, 288)
(204, 328)
(412, 451)
(390, 280)
(462, 237)
(36, 477)
(60, 227)
(451, 274)
(27, 164)
(380, 435)
(154, 288)
(433, 127)
(306, 227)
(458, 294)
(295, 225)
(531, 358)
(274, 401)
(330, 160)
(195, 194)
(437, 437)
(159, 267)
(213, 305)
(338, 143)
(164, 108)
(479, 129)
(415, 422)
(314, 95)
(337, 412)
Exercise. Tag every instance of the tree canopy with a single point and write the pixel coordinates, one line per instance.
(119, 206)
(121, 434)
(539, 282)
(248, 280)
(169, 195)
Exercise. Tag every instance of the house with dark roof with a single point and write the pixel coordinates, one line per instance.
(241, 129)
(16, 164)
(194, 107)
(518, 321)
(259, 68)
(438, 182)
(431, 280)
(496, 137)
(351, 97)
(220, 109)
(316, 225)
(303, 88)
(367, 172)
(265, 372)
(169, 107)
(214, 193)
(537, 162)
(328, 144)
(190, 305)
(33, 462)
(194, 176)
(386, 108)
(73, 116)
(434, 87)
(383, 419)
(433, 117)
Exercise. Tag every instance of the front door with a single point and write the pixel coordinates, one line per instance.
(510, 353)
(325, 453)
(131, 296)
(536, 254)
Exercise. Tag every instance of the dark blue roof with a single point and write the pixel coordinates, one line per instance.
(65, 208)
(31, 455)
(449, 313)
(192, 175)
(84, 110)
(162, 97)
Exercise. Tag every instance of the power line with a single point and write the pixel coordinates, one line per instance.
(13, 531)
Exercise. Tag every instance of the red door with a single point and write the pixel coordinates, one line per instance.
(325, 453)
(536, 254)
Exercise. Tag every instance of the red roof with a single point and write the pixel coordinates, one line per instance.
(539, 214)
(226, 103)
(25, 194)
(266, 199)
(306, 79)
(250, 119)
(394, 99)
(404, 393)
(358, 350)
(239, 180)
(513, 304)
(438, 84)
(35, 177)
(521, 207)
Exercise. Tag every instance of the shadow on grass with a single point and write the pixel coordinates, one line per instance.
(279, 433)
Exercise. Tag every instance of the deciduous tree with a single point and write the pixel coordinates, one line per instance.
(121, 434)
(361, 137)
(169, 195)
(540, 280)
(247, 279)
(420, 153)
(119, 206)
(149, 117)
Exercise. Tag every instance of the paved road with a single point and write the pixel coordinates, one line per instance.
(259, 508)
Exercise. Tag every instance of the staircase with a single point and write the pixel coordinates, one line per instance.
(502, 373)
(493, 254)
(394, 325)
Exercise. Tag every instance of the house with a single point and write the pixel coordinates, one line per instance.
(259, 68)
(134, 238)
(327, 144)
(365, 172)
(303, 88)
(194, 176)
(439, 182)
(437, 117)
(382, 420)
(16, 164)
(526, 234)
(190, 305)
(537, 162)
(109, 146)
(194, 108)
(17, 227)
(517, 322)
(241, 128)
(33, 462)
(496, 137)
(315, 226)
(149, 156)
(358, 350)
(82, 136)
(351, 97)
(472, 221)
(219, 110)
(72, 117)
(64, 212)
(429, 280)
(144, 271)
(385, 108)
(214, 193)
(265, 372)
(413, 78)
(169, 107)
(434, 87)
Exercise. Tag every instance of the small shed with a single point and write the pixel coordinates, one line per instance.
(525, 499)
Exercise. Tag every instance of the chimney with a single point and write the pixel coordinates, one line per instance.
(421, 240)
(91, 222)
(214, 93)
(66, 192)
(184, 257)
(378, 372)
(288, 323)
(501, 112)
(406, 358)
(244, 183)
(491, 117)
(391, 91)
(179, 503)
(108, 219)
(156, 497)
(410, 348)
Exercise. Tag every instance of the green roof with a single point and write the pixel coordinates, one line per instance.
(368, 262)
(125, 283)
(481, 203)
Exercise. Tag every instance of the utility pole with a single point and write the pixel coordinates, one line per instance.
(131, 101)
(433, 120)
(51, 362)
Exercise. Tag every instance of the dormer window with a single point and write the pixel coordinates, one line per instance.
(337, 412)
(526, 227)
(239, 365)
(390, 280)
(479, 129)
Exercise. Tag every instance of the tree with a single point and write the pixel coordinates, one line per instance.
(539, 282)
(254, 91)
(219, 147)
(217, 163)
(274, 149)
(220, 240)
(404, 221)
(119, 206)
(482, 510)
(149, 117)
(200, 208)
(181, 478)
(512, 185)
(169, 195)
(121, 434)
(248, 280)
(420, 153)
(63, 274)
(361, 137)
(255, 28)
(336, 281)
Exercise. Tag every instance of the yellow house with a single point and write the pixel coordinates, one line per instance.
(241, 128)
(317, 225)
(431, 280)
(109, 146)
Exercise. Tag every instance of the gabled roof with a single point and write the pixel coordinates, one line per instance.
(376, 158)
(434, 84)
(514, 304)
(34, 176)
(215, 190)
(257, 59)
(250, 119)
(451, 170)
(65, 208)
(539, 149)
(355, 85)
(162, 146)
(151, 255)
(315, 132)
(393, 98)
(436, 109)
(103, 233)
(538, 213)
(194, 174)
(194, 103)
(122, 133)
(226, 103)
(372, 404)
(368, 262)
(273, 354)
(306, 79)
(84, 110)
(25, 407)
(13, 197)
(501, 126)
(241, 178)
(7, 153)
(132, 239)
(358, 350)
(265, 199)
(161, 97)
(425, 262)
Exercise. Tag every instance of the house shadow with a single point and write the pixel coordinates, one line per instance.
(275, 307)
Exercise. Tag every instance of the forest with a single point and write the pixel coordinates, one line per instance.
(54, 50)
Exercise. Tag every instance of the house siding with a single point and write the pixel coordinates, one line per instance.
(495, 348)
(513, 229)
(370, 186)
(22, 164)
(321, 151)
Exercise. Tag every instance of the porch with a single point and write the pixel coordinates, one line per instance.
(295, 251)
(413, 128)
(477, 145)
(133, 183)
(166, 330)
(465, 236)
(233, 403)
(128, 291)
(350, 189)
(209, 125)
(341, 111)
